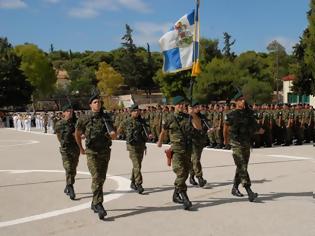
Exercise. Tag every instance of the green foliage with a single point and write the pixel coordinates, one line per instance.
(257, 91)
(309, 38)
(108, 79)
(304, 80)
(209, 49)
(37, 69)
(15, 89)
(217, 80)
(227, 49)
(173, 84)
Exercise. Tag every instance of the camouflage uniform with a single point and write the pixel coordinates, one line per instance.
(97, 142)
(199, 141)
(180, 130)
(242, 127)
(69, 149)
(135, 140)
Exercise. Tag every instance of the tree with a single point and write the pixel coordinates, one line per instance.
(227, 51)
(278, 63)
(15, 90)
(37, 69)
(173, 84)
(209, 49)
(217, 80)
(108, 79)
(304, 80)
(309, 38)
(303, 66)
(130, 64)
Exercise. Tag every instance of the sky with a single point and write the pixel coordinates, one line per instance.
(98, 25)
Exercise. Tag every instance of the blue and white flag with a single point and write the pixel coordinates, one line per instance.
(180, 46)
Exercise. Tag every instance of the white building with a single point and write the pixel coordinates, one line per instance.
(291, 97)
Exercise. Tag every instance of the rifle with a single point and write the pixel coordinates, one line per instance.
(106, 120)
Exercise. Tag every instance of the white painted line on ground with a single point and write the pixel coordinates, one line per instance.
(290, 157)
(123, 185)
(12, 143)
(40, 132)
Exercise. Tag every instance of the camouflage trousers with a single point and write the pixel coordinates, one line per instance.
(241, 158)
(195, 167)
(97, 163)
(136, 157)
(70, 160)
(181, 165)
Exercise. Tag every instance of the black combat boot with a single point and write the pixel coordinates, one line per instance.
(71, 192)
(133, 186)
(176, 197)
(139, 188)
(236, 192)
(202, 182)
(66, 191)
(251, 195)
(98, 208)
(192, 180)
(187, 203)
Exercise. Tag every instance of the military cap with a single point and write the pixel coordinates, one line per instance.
(134, 107)
(66, 107)
(238, 95)
(178, 99)
(195, 103)
(93, 97)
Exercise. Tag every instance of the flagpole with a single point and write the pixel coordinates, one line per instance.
(192, 79)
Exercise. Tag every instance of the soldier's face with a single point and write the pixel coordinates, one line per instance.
(95, 105)
(240, 104)
(68, 114)
(135, 113)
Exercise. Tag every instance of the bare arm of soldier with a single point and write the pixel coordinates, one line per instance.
(78, 139)
(161, 137)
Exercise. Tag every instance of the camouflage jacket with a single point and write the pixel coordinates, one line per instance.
(136, 131)
(65, 132)
(242, 124)
(94, 129)
(180, 131)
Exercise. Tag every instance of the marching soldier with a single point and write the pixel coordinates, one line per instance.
(69, 149)
(242, 126)
(98, 132)
(136, 137)
(199, 141)
(180, 129)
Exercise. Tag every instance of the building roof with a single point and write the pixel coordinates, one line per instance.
(288, 78)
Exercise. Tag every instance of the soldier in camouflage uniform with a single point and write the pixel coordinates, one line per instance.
(98, 131)
(69, 149)
(136, 137)
(180, 129)
(199, 141)
(242, 126)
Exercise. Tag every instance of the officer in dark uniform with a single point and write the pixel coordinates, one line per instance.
(98, 131)
(242, 126)
(69, 149)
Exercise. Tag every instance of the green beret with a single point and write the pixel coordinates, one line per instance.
(66, 107)
(177, 100)
(134, 107)
(93, 97)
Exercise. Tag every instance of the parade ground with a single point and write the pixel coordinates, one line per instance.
(32, 181)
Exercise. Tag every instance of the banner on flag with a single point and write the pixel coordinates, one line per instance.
(180, 45)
